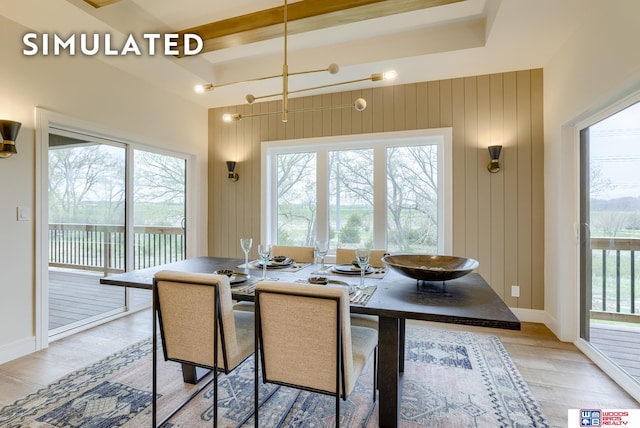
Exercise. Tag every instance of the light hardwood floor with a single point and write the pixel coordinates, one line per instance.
(559, 375)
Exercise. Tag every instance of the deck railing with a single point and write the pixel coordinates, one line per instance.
(102, 247)
(614, 276)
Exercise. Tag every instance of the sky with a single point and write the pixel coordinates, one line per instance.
(615, 149)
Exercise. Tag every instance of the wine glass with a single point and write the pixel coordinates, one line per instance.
(362, 257)
(322, 247)
(264, 251)
(246, 244)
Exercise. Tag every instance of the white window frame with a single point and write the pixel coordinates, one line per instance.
(379, 142)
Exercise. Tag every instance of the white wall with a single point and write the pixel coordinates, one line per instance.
(88, 90)
(599, 64)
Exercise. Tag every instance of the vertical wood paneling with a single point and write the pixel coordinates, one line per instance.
(399, 116)
(471, 166)
(537, 189)
(509, 168)
(422, 105)
(497, 218)
(497, 187)
(410, 110)
(484, 184)
(459, 168)
(434, 105)
(388, 105)
(446, 111)
(367, 114)
(524, 186)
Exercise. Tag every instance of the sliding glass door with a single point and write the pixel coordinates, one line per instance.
(610, 238)
(87, 188)
(112, 208)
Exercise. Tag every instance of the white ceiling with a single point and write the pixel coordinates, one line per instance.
(472, 37)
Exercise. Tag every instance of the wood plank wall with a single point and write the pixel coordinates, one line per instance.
(497, 218)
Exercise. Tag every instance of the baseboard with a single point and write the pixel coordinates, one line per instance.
(17, 349)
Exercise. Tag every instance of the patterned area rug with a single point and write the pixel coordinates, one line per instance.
(451, 379)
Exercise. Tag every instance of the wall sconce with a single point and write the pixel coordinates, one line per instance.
(232, 175)
(494, 153)
(9, 133)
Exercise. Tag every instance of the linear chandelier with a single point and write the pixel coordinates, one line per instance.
(359, 105)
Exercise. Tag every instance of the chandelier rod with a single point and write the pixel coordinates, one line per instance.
(285, 70)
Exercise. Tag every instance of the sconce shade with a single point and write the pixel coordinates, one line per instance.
(494, 154)
(232, 175)
(9, 130)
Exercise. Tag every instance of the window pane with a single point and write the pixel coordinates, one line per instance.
(296, 193)
(351, 198)
(412, 199)
(158, 209)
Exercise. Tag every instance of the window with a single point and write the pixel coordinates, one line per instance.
(390, 190)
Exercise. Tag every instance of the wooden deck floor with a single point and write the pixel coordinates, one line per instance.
(74, 297)
(620, 343)
(78, 296)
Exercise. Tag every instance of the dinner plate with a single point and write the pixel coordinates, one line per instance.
(351, 269)
(277, 265)
(238, 278)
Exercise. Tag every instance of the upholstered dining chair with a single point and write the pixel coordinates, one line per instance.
(306, 341)
(347, 255)
(199, 327)
(298, 253)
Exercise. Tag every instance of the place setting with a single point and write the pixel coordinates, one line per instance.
(360, 266)
(358, 293)
(266, 260)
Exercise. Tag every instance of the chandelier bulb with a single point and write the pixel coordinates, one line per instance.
(360, 104)
(333, 68)
(250, 98)
(203, 88)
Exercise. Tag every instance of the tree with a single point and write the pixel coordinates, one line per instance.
(86, 184)
(159, 189)
(296, 197)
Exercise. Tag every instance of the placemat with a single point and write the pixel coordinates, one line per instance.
(378, 273)
(293, 268)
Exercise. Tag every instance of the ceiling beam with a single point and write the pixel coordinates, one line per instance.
(303, 16)
(100, 3)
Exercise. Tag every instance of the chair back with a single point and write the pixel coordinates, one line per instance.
(299, 254)
(347, 255)
(304, 334)
(186, 306)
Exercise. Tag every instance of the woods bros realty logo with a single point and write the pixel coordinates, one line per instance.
(151, 44)
(604, 418)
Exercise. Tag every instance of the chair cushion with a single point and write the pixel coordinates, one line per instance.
(362, 320)
(299, 254)
(364, 340)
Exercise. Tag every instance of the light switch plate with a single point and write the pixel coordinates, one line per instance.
(24, 214)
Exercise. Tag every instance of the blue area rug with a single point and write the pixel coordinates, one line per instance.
(451, 379)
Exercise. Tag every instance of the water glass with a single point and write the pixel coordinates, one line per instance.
(264, 251)
(362, 257)
(246, 244)
(322, 248)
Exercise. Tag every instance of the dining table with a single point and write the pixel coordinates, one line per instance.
(392, 297)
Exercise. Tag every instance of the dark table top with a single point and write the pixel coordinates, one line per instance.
(467, 300)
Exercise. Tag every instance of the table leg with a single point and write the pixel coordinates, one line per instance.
(388, 371)
(193, 374)
(403, 325)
